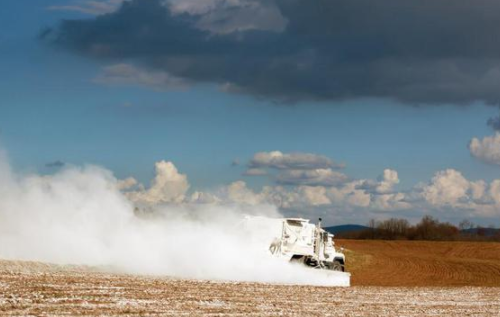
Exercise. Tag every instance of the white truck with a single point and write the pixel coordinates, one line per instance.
(300, 241)
(304, 242)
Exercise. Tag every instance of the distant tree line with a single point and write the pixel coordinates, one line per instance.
(428, 228)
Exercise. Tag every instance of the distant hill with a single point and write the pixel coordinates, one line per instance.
(345, 228)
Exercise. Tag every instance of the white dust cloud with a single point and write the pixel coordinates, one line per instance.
(79, 216)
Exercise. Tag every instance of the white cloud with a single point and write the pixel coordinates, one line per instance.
(349, 195)
(487, 149)
(255, 172)
(478, 189)
(238, 192)
(168, 186)
(204, 198)
(130, 75)
(448, 193)
(390, 202)
(279, 160)
(447, 187)
(227, 16)
(92, 7)
(316, 177)
(313, 195)
(494, 191)
(387, 180)
(127, 183)
(296, 198)
(384, 183)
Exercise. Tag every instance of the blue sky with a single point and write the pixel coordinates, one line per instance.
(52, 108)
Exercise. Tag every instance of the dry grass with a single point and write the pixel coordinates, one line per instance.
(422, 263)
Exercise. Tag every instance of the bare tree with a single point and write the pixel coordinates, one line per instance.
(393, 228)
(466, 225)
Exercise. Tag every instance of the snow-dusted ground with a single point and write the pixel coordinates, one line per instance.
(40, 289)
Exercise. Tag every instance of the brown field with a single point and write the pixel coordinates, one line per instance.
(37, 289)
(422, 263)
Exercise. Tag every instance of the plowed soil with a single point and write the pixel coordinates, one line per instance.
(33, 289)
(39, 289)
(422, 263)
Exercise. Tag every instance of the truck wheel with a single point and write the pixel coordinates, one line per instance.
(297, 259)
(337, 266)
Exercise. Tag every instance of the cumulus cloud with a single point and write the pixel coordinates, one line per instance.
(92, 7)
(295, 169)
(301, 186)
(327, 193)
(279, 160)
(390, 202)
(130, 75)
(314, 195)
(323, 192)
(238, 192)
(168, 186)
(494, 192)
(478, 190)
(447, 187)
(448, 194)
(487, 149)
(255, 172)
(125, 184)
(384, 183)
(350, 195)
(204, 198)
(301, 49)
(296, 201)
(315, 177)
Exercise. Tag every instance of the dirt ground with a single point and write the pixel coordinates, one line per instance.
(28, 289)
(422, 263)
(415, 289)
